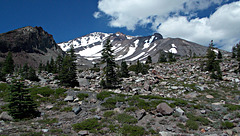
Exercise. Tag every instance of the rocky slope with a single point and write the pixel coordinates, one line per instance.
(132, 48)
(30, 45)
(172, 99)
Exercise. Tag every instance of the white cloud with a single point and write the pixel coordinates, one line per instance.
(97, 15)
(222, 27)
(165, 17)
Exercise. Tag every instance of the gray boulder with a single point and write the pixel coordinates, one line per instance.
(4, 116)
(83, 82)
(76, 109)
(140, 114)
(69, 99)
(164, 109)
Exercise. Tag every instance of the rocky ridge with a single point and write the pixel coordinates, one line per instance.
(30, 45)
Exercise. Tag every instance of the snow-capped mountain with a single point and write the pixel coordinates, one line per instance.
(132, 48)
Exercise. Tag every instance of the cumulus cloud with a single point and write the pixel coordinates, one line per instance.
(222, 27)
(176, 18)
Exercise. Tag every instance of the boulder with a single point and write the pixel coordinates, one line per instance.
(69, 99)
(164, 109)
(140, 114)
(83, 82)
(147, 86)
(4, 116)
(76, 109)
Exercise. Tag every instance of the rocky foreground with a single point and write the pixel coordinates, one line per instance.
(173, 99)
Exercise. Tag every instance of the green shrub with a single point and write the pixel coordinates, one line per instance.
(180, 125)
(4, 91)
(66, 109)
(130, 130)
(125, 118)
(131, 109)
(201, 119)
(227, 125)
(82, 96)
(108, 114)
(193, 125)
(110, 103)
(44, 91)
(48, 121)
(102, 95)
(88, 124)
(232, 107)
(60, 91)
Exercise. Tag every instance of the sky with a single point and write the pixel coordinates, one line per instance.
(198, 21)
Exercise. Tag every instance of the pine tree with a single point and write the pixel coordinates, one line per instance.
(32, 75)
(24, 71)
(149, 60)
(211, 58)
(21, 105)
(234, 52)
(124, 69)
(110, 79)
(67, 75)
(40, 67)
(8, 67)
(162, 58)
(59, 62)
(212, 64)
(171, 57)
(238, 55)
(219, 56)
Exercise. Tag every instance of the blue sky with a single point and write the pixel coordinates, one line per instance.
(196, 20)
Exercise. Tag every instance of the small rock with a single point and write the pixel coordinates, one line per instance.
(83, 132)
(229, 132)
(5, 116)
(69, 99)
(203, 111)
(97, 117)
(118, 110)
(180, 111)
(209, 96)
(83, 82)
(164, 109)
(191, 95)
(45, 130)
(49, 107)
(76, 109)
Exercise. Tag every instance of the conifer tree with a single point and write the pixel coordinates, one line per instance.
(110, 79)
(67, 75)
(32, 75)
(124, 69)
(40, 67)
(171, 57)
(21, 105)
(162, 58)
(238, 55)
(212, 64)
(149, 60)
(59, 62)
(219, 56)
(234, 52)
(8, 67)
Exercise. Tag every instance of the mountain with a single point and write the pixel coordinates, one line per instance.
(30, 45)
(132, 48)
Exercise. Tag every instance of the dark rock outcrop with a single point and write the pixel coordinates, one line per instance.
(30, 45)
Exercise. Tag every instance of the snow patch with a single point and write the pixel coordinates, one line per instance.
(152, 47)
(173, 50)
(174, 46)
(138, 56)
(151, 39)
(216, 51)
